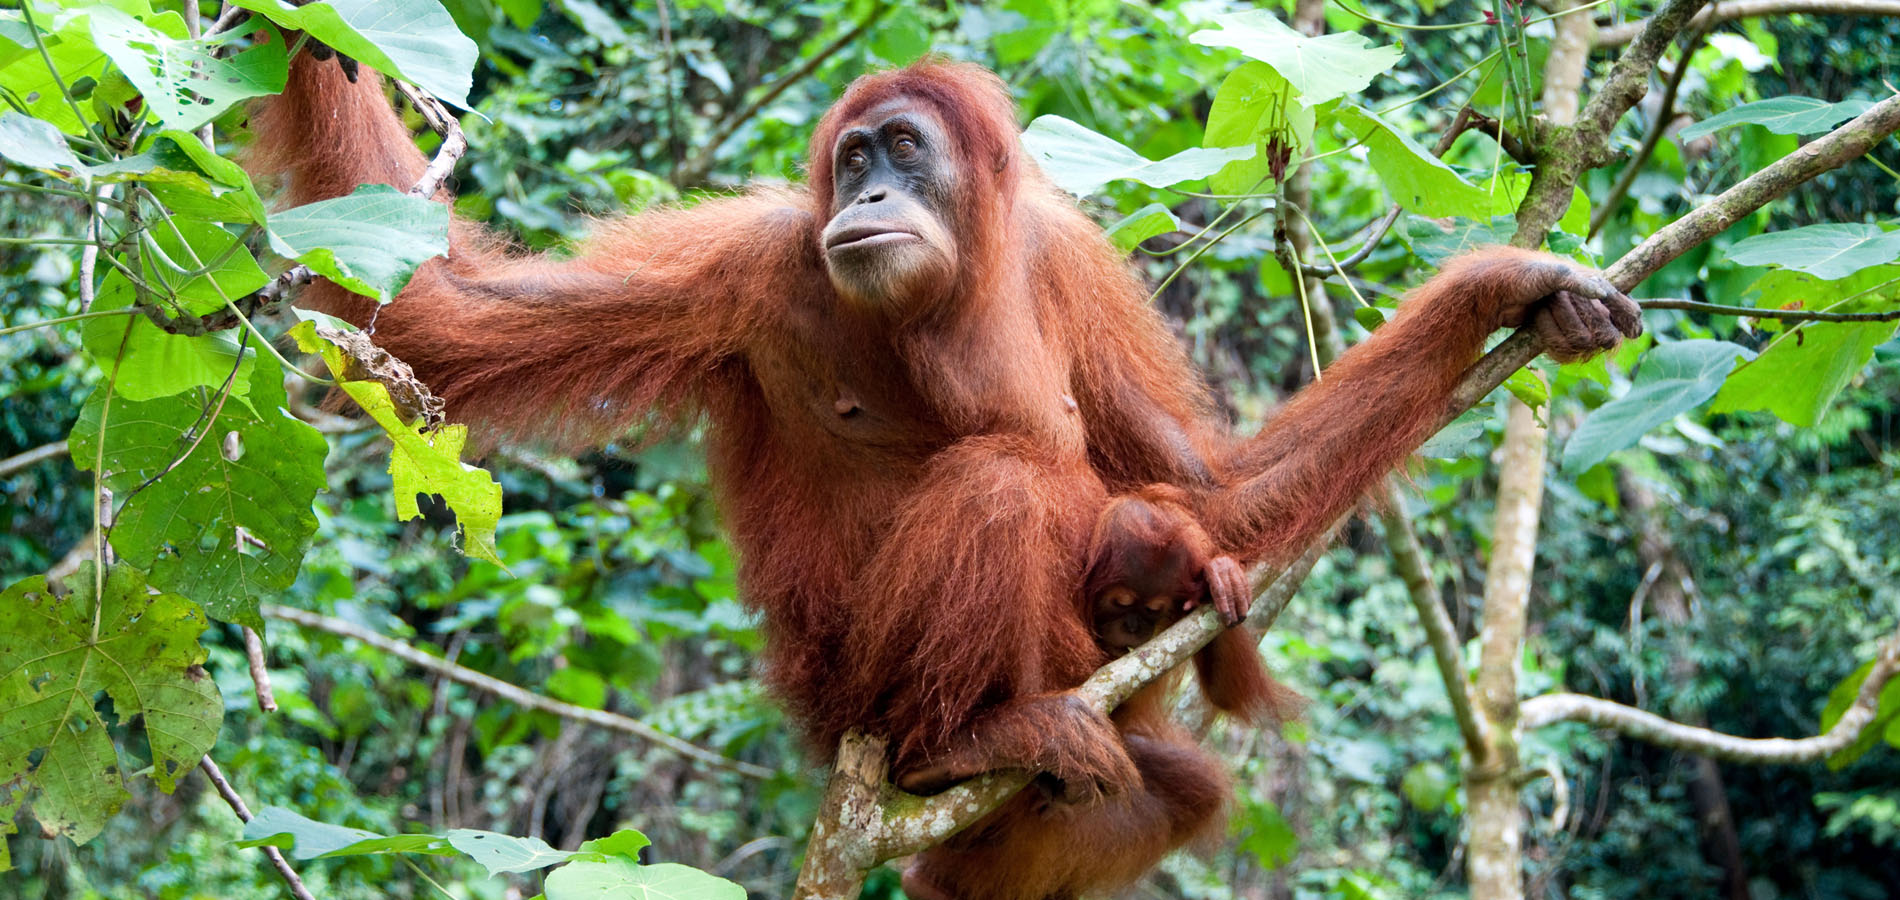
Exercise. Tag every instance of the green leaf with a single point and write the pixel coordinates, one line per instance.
(618, 878)
(625, 842)
(1797, 379)
(1436, 240)
(1886, 714)
(1781, 115)
(54, 746)
(190, 180)
(1081, 162)
(1415, 179)
(1256, 108)
(182, 82)
(75, 56)
(421, 462)
(305, 838)
(370, 242)
(415, 40)
(1830, 250)
(224, 518)
(500, 853)
(1320, 68)
(1142, 224)
(1528, 387)
(1426, 785)
(1674, 379)
(29, 142)
(1454, 440)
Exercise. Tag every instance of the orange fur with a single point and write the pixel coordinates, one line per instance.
(918, 562)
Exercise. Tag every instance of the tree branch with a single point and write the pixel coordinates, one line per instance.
(701, 163)
(1720, 13)
(1654, 729)
(1784, 315)
(22, 460)
(243, 812)
(515, 694)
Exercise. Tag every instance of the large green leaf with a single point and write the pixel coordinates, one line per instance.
(1081, 162)
(75, 56)
(619, 878)
(369, 242)
(415, 40)
(1797, 379)
(137, 646)
(1830, 250)
(1256, 108)
(224, 519)
(422, 461)
(1417, 180)
(35, 144)
(1319, 68)
(1674, 379)
(190, 180)
(1781, 115)
(184, 84)
(306, 838)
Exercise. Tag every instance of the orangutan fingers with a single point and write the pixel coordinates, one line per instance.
(1232, 594)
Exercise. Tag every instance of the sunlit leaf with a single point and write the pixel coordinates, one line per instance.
(415, 40)
(182, 82)
(1320, 68)
(1829, 250)
(35, 144)
(1142, 224)
(1416, 180)
(1255, 107)
(370, 242)
(500, 853)
(1797, 379)
(619, 878)
(1081, 162)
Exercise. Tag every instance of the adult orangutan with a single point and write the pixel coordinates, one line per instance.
(961, 459)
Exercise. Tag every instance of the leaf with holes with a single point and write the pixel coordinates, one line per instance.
(183, 83)
(1674, 379)
(138, 647)
(500, 853)
(1781, 115)
(1831, 250)
(415, 40)
(1321, 68)
(369, 242)
(216, 493)
(1081, 162)
(421, 462)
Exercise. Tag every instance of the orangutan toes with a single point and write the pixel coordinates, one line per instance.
(1575, 327)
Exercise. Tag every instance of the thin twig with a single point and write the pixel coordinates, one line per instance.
(236, 803)
(1784, 315)
(1665, 112)
(516, 694)
(260, 672)
(701, 163)
(20, 461)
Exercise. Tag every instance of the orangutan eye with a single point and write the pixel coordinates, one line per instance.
(905, 147)
(854, 160)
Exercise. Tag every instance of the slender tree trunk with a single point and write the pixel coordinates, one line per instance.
(1494, 864)
(1668, 577)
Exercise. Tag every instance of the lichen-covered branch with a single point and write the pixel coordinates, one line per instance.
(1751, 9)
(1650, 728)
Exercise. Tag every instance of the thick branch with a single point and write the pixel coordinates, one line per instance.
(1830, 152)
(513, 693)
(1654, 729)
(1719, 13)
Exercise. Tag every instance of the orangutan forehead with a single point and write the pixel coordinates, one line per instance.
(900, 106)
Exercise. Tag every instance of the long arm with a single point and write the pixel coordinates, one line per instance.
(1383, 398)
(568, 351)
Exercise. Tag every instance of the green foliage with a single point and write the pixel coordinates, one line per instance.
(1081, 162)
(369, 242)
(108, 635)
(1674, 379)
